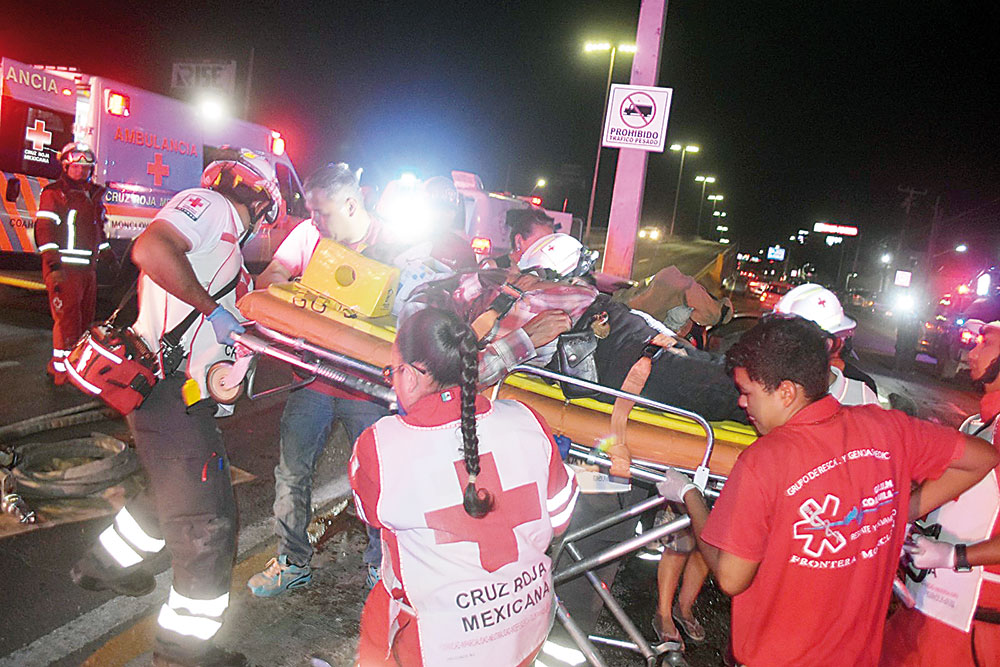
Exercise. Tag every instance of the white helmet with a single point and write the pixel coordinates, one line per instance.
(560, 253)
(817, 303)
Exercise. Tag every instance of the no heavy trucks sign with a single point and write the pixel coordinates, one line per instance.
(637, 117)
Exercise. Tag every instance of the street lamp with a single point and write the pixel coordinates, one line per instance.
(540, 183)
(684, 151)
(704, 180)
(961, 247)
(886, 258)
(590, 47)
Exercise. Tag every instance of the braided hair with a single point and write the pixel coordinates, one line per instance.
(446, 346)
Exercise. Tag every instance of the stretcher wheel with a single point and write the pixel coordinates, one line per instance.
(219, 390)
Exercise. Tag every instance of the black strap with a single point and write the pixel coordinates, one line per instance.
(985, 426)
(173, 337)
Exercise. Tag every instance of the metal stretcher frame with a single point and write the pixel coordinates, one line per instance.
(581, 566)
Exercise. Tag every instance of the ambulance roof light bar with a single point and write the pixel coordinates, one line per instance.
(117, 104)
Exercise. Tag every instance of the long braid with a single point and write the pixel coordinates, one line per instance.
(477, 502)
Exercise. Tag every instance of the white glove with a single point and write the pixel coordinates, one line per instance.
(928, 554)
(675, 485)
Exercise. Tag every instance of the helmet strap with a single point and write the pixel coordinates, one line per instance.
(989, 375)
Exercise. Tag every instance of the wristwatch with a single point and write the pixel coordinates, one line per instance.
(962, 559)
(505, 300)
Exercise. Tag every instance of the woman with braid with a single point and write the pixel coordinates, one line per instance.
(468, 494)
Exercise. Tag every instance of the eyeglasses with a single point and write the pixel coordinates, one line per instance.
(389, 371)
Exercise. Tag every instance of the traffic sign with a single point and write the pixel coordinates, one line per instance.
(637, 117)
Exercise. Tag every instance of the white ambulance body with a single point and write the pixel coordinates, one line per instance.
(147, 146)
(486, 215)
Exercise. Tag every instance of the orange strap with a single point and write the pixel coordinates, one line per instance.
(634, 383)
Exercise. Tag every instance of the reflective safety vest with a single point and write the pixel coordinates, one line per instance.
(70, 221)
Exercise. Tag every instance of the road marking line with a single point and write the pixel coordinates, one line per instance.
(137, 638)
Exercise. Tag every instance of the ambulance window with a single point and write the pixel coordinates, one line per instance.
(23, 127)
(295, 203)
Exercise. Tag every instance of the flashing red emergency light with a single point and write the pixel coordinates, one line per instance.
(277, 143)
(482, 245)
(117, 104)
(535, 201)
(969, 338)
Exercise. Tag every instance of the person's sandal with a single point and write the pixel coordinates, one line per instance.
(663, 637)
(692, 628)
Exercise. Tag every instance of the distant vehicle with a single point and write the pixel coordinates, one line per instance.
(773, 293)
(944, 336)
(650, 233)
(148, 147)
(757, 285)
(861, 299)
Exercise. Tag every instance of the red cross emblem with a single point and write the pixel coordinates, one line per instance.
(196, 202)
(38, 136)
(157, 169)
(822, 302)
(493, 533)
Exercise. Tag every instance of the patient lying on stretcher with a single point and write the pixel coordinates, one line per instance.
(500, 303)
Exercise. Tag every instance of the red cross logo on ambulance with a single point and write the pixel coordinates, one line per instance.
(39, 137)
(817, 532)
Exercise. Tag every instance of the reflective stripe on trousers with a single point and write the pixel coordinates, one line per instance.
(199, 619)
(127, 542)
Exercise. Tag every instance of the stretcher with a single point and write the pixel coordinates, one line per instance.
(319, 338)
(310, 325)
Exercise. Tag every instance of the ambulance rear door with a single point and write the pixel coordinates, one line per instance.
(37, 113)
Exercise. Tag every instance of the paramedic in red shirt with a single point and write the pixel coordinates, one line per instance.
(468, 494)
(807, 532)
(69, 233)
(333, 195)
(970, 538)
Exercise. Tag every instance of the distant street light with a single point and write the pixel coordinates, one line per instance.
(540, 183)
(590, 47)
(704, 180)
(680, 172)
(886, 258)
(961, 247)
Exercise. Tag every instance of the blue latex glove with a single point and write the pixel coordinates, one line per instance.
(225, 325)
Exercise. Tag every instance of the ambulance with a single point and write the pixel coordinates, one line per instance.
(148, 147)
(486, 215)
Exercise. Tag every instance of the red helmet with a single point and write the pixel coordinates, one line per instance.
(79, 153)
(248, 179)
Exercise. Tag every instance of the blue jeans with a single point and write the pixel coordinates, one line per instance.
(305, 427)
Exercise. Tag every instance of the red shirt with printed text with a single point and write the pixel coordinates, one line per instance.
(821, 504)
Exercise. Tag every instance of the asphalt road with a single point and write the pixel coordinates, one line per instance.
(39, 603)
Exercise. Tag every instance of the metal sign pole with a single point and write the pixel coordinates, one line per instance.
(630, 173)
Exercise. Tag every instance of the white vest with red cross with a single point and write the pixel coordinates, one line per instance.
(481, 589)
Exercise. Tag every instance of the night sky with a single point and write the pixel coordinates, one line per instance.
(804, 110)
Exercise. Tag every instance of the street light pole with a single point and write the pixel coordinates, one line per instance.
(600, 137)
(680, 173)
(704, 180)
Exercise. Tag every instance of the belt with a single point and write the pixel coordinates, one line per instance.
(987, 615)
